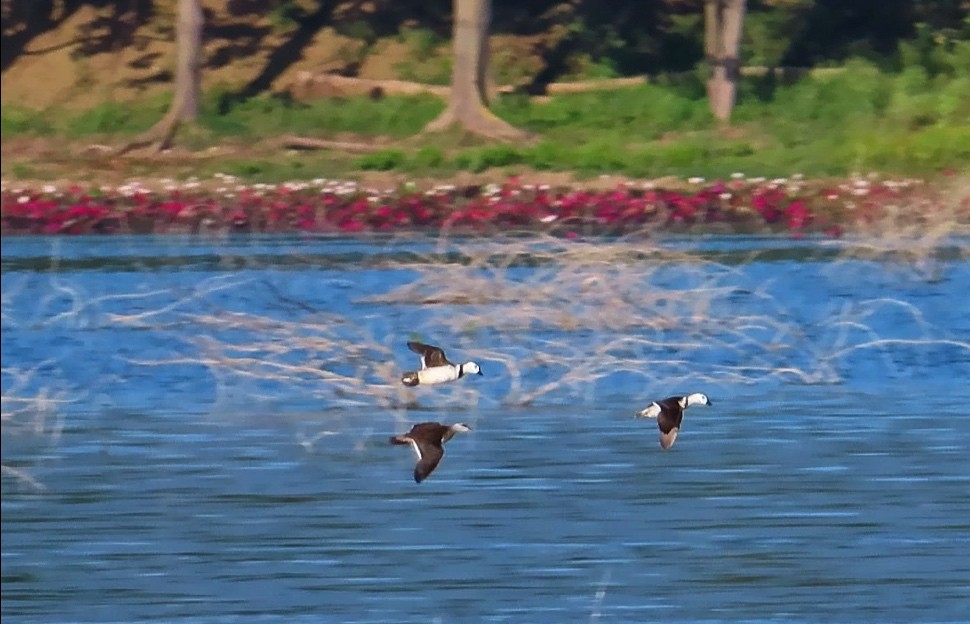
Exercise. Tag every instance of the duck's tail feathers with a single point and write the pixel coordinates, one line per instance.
(410, 379)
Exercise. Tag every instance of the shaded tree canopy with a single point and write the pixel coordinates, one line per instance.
(620, 37)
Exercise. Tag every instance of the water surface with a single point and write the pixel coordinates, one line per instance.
(158, 469)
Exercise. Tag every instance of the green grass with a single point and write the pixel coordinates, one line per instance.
(858, 119)
(268, 116)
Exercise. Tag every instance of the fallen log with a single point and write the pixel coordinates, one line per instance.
(310, 143)
(313, 86)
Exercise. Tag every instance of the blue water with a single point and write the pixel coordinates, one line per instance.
(195, 430)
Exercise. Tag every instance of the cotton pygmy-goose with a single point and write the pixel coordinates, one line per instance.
(435, 367)
(427, 439)
(669, 414)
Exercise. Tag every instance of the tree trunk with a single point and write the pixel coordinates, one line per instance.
(188, 72)
(188, 79)
(469, 76)
(723, 20)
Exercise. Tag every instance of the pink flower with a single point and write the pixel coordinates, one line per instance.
(351, 226)
(798, 215)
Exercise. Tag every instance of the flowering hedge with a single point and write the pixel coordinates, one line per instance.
(225, 205)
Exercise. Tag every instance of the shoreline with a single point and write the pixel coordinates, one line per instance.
(552, 202)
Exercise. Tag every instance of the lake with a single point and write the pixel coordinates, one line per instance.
(196, 430)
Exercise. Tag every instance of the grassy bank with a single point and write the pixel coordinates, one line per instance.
(856, 120)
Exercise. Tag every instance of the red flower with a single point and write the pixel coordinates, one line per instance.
(350, 225)
(798, 215)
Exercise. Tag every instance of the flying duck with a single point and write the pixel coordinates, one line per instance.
(669, 414)
(435, 367)
(427, 439)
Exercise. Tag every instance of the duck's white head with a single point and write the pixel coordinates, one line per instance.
(696, 398)
(453, 429)
(470, 368)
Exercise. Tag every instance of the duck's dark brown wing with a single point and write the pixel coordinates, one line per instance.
(431, 454)
(668, 421)
(430, 355)
(667, 439)
(426, 439)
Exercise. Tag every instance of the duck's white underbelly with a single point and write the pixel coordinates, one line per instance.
(437, 375)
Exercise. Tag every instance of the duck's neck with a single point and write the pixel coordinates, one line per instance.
(694, 399)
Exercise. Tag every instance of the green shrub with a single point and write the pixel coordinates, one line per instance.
(940, 147)
(15, 120)
(684, 155)
(268, 116)
(602, 156)
(384, 160)
(544, 156)
(640, 109)
(115, 118)
(954, 100)
(428, 157)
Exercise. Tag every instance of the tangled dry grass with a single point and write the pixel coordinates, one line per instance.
(555, 319)
(916, 235)
(32, 413)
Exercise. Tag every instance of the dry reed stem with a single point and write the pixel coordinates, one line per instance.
(29, 411)
(913, 235)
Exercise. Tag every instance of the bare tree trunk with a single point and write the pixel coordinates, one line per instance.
(469, 76)
(723, 20)
(188, 79)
